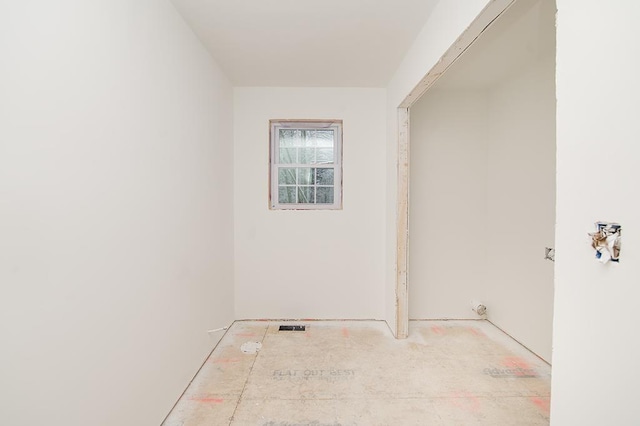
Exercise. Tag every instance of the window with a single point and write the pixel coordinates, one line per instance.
(306, 164)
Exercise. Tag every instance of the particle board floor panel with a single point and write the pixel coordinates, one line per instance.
(351, 373)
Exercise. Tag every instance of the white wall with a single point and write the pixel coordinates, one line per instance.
(445, 24)
(483, 203)
(115, 210)
(310, 264)
(596, 348)
(448, 209)
(521, 205)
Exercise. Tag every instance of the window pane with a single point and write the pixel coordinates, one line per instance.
(287, 194)
(309, 138)
(288, 155)
(324, 138)
(287, 176)
(290, 137)
(306, 176)
(325, 195)
(306, 195)
(307, 155)
(324, 155)
(324, 176)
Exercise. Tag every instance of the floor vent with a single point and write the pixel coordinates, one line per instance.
(292, 328)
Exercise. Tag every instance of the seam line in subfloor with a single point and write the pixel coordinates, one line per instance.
(244, 387)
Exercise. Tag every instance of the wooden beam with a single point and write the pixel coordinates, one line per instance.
(402, 255)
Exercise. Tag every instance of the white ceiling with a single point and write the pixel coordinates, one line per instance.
(332, 43)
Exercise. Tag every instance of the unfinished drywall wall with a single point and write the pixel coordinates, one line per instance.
(445, 24)
(448, 209)
(310, 264)
(115, 210)
(521, 205)
(483, 181)
(595, 322)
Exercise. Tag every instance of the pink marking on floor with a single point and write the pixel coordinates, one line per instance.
(208, 400)
(466, 401)
(477, 332)
(516, 362)
(437, 329)
(345, 332)
(543, 403)
(225, 360)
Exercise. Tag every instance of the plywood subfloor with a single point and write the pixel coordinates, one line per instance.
(356, 373)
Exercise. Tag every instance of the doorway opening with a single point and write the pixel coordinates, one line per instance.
(482, 181)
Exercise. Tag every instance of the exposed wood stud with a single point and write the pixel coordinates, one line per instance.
(402, 256)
